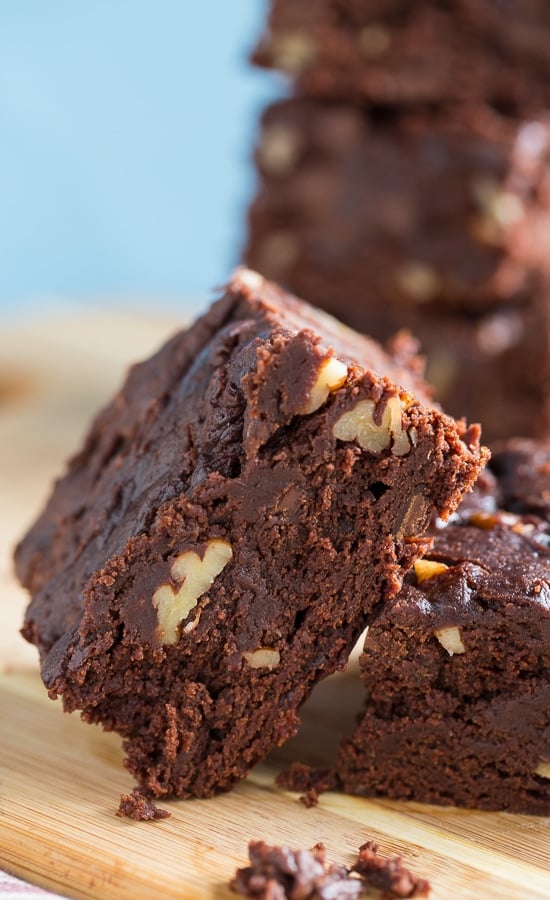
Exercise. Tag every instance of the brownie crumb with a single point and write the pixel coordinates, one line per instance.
(299, 777)
(140, 807)
(279, 872)
(276, 873)
(389, 875)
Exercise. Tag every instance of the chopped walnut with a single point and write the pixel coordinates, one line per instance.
(451, 639)
(293, 52)
(424, 569)
(331, 376)
(262, 658)
(487, 521)
(279, 149)
(543, 769)
(498, 210)
(359, 424)
(194, 576)
(419, 282)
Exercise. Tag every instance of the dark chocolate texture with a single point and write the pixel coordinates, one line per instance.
(445, 209)
(457, 667)
(404, 53)
(523, 470)
(434, 222)
(228, 528)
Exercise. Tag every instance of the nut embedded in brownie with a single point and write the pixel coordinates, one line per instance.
(252, 494)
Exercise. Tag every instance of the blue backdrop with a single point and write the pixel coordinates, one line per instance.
(126, 129)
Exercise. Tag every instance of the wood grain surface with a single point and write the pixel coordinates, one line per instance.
(60, 779)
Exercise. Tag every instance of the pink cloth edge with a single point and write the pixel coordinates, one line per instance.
(10, 886)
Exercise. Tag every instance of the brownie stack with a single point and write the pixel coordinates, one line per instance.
(457, 667)
(406, 183)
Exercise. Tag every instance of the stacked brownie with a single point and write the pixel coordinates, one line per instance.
(407, 184)
(457, 667)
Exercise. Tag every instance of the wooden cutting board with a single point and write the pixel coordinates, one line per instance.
(60, 780)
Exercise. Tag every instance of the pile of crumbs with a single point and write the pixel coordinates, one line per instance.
(277, 873)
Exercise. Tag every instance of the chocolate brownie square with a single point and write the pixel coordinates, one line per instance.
(457, 667)
(435, 222)
(369, 210)
(255, 490)
(403, 53)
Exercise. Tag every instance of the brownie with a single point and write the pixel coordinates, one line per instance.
(254, 492)
(435, 222)
(457, 667)
(361, 209)
(404, 53)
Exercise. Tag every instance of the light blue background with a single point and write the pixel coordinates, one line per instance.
(126, 131)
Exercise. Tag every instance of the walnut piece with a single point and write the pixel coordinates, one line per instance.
(279, 149)
(451, 639)
(424, 569)
(293, 52)
(330, 377)
(543, 769)
(262, 658)
(194, 575)
(500, 208)
(487, 521)
(359, 424)
(419, 282)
